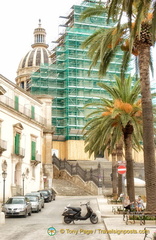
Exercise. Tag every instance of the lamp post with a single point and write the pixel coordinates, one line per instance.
(4, 175)
(23, 176)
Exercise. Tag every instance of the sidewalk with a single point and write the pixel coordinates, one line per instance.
(118, 230)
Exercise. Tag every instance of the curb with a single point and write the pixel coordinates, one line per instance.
(102, 220)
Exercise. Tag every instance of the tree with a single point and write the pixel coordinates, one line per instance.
(114, 173)
(119, 153)
(136, 37)
(116, 119)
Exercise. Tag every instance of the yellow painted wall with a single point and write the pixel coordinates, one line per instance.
(61, 147)
(71, 150)
(75, 150)
(137, 156)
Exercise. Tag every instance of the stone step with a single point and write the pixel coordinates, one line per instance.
(93, 164)
(66, 188)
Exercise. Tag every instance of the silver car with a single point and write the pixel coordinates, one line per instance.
(17, 206)
(35, 203)
(41, 198)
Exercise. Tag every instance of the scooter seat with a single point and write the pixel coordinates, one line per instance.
(76, 209)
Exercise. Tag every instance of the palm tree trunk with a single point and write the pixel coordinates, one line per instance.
(148, 131)
(128, 130)
(114, 173)
(119, 153)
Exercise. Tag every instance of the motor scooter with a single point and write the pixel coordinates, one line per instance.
(74, 213)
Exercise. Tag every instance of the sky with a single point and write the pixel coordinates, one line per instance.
(18, 19)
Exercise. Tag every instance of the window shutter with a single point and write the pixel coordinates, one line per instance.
(32, 112)
(16, 103)
(33, 150)
(17, 143)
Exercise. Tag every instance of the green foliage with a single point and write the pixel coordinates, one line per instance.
(98, 10)
(139, 217)
(103, 44)
(103, 131)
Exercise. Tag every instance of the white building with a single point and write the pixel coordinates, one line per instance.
(25, 140)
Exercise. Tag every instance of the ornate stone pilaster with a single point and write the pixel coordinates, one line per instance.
(48, 175)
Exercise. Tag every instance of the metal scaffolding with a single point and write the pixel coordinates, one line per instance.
(67, 79)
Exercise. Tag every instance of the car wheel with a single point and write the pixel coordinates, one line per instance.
(37, 210)
(29, 214)
(25, 215)
(43, 206)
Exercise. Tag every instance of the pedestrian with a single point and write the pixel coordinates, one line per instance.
(121, 197)
(127, 204)
(139, 204)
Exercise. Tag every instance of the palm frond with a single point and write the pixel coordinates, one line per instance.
(154, 22)
(125, 62)
(114, 12)
(98, 10)
(151, 64)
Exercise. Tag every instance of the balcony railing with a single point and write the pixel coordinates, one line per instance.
(37, 160)
(20, 152)
(22, 109)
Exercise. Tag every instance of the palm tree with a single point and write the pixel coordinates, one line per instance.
(136, 37)
(114, 173)
(119, 154)
(117, 118)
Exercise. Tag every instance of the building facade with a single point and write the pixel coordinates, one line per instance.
(25, 140)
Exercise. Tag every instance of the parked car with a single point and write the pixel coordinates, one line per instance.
(46, 194)
(35, 202)
(41, 197)
(53, 193)
(17, 206)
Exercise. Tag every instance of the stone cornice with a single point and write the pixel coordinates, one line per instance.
(12, 110)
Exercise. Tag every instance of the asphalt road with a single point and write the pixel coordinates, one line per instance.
(38, 225)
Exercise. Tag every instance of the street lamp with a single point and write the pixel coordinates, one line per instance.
(4, 175)
(23, 176)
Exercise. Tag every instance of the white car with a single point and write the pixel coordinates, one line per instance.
(17, 206)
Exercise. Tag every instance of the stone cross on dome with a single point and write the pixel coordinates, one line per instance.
(39, 36)
(39, 25)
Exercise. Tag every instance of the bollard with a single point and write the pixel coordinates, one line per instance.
(2, 218)
(98, 213)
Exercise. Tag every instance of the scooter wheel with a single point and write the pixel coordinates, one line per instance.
(67, 220)
(94, 219)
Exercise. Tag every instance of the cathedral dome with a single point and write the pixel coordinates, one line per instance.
(35, 57)
(38, 55)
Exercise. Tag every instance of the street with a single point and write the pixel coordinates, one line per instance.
(36, 226)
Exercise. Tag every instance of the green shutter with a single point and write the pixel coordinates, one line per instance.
(33, 150)
(17, 143)
(32, 112)
(16, 103)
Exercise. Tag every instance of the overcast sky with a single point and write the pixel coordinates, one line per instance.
(18, 19)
